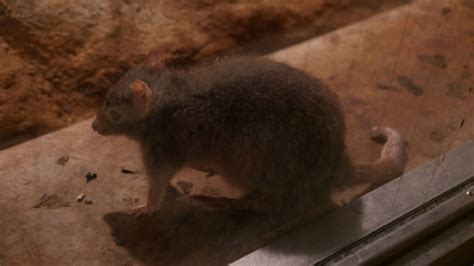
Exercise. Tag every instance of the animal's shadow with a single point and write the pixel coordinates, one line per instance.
(182, 235)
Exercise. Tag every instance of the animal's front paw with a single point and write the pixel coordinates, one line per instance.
(143, 210)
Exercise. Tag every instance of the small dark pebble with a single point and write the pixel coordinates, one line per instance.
(88, 202)
(63, 160)
(90, 176)
(126, 171)
(462, 124)
(470, 89)
(80, 198)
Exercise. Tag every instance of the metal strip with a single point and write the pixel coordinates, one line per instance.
(384, 243)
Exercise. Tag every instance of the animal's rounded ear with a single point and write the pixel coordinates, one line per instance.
(155, 60)
(141, 91)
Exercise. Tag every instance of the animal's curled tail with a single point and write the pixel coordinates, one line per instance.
(391, 163)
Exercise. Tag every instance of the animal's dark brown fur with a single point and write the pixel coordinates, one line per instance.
(258, 123)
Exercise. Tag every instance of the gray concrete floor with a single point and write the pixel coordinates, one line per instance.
(410, 68)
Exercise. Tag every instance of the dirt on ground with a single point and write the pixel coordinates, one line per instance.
(58, 58)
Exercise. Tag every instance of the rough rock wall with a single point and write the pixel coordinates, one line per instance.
(52, 52)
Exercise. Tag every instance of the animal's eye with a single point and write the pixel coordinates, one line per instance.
(114, 114)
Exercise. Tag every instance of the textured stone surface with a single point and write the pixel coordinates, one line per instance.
(55, 53)
(31, 105)
(73, 50)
